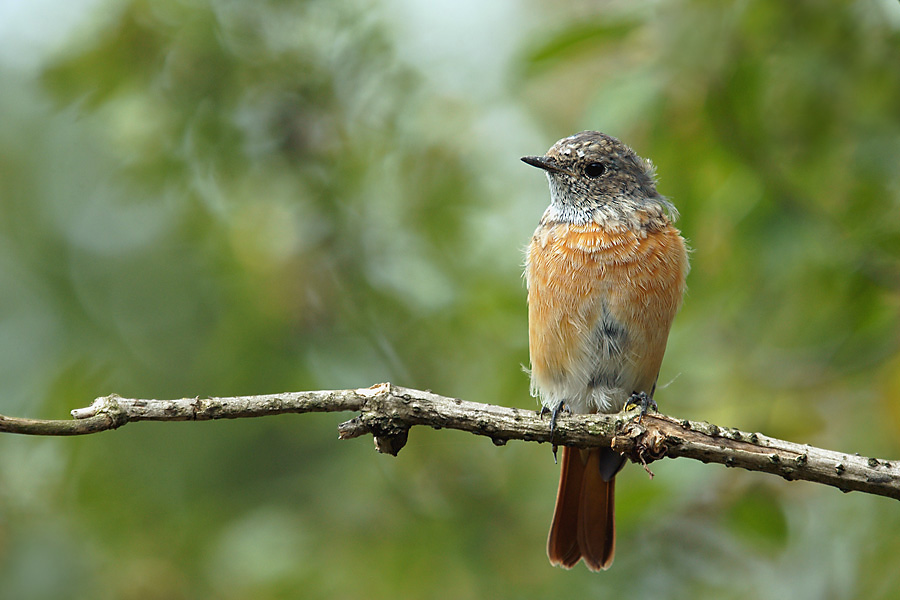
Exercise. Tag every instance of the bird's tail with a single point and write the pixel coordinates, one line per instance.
(583, 524)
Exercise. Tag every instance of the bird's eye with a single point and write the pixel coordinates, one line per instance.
(594, 169)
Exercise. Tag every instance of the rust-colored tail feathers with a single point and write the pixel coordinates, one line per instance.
(583, 524)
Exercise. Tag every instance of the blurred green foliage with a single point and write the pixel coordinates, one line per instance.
(211, 197)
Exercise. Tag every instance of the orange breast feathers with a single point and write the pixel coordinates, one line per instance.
(600, 305)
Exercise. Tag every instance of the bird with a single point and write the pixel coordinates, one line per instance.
(606, 272)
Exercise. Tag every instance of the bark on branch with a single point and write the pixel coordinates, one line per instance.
(387, 412)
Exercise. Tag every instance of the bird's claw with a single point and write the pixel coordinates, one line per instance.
(643, 401)
(554, 414)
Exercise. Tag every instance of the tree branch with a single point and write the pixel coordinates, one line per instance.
(387, 412)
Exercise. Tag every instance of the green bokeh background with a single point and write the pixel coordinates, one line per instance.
(222, 198)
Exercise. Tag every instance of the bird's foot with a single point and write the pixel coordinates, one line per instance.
(643, 401)
(554, 414)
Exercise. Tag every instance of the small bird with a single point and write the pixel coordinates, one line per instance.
(606, 274)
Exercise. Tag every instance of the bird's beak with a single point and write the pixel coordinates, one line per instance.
(548, 164)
